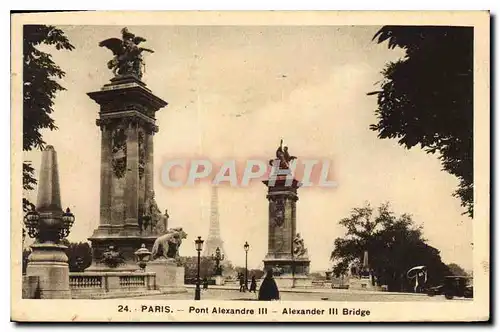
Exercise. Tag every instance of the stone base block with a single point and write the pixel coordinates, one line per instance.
(284, 264)
(125, 245)
(31, 288)
(168, 274)
(287, 281)
(219, 280)
(362, 284)
(49, 263)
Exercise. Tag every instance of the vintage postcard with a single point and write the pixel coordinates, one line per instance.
(250, 167)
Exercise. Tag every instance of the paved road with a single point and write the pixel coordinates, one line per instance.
(327, 295)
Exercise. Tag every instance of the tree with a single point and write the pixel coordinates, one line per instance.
(79, 255)
(456, 270)
(207, 267)
(394, 245)
(26, 254)
(39, 90)
(426, 97)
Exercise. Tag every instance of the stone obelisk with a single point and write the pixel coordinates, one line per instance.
(48, 260)
(127, 123)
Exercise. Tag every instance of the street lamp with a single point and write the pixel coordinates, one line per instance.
(49, 226)
(31, 222)
(246, 247)
(218, 257)
(68, 219)
(199, 246)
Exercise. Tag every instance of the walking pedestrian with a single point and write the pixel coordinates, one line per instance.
(253, 285)
(242, 283)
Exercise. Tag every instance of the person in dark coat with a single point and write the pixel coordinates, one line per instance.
(253, 285)
(242, 283)
(268, 290)
(205, 283)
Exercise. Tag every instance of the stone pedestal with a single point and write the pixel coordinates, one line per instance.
(126, 245)
(289, 281)
(49, 263)
(168, 274)
(363, 283)
(219, 280)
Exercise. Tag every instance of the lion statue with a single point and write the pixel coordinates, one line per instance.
(167, 245)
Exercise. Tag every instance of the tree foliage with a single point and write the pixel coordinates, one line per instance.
(257, 273)
(79, 255)
(394, 245)
(40, 87)
(426, 98)
(190, 263)
(457, 270)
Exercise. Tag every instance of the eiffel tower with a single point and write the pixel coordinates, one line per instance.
(214, 240)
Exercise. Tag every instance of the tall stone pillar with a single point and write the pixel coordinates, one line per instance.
(126, 117)
(287, 255)
(149, 169)
(131, 193)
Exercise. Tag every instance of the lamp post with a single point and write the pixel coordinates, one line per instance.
(199, 246)
(218, 257)
(49, 227)
(246, 247)
(143, 255)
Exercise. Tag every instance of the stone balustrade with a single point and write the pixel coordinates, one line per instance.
(83, 284)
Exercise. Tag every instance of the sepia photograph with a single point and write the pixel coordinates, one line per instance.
(250, 166)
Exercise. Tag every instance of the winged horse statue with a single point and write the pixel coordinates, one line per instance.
(127, 58)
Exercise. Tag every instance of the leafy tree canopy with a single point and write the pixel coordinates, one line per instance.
(40, 86)
(394, 244)
(79, 255)
(457, 270)
(426, 98)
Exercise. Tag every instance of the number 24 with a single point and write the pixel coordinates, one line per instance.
(122, 308)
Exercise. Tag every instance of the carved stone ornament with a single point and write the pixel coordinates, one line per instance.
(112, 257)
(299, 249)
(142, 154)
(119, 152)
(278, 212)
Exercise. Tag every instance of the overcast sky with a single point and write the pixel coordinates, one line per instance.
(234, 92)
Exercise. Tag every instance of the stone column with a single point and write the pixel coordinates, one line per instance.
(149, 167)
(105, 215)
(131, 226)
(270, 238)
(288, 226)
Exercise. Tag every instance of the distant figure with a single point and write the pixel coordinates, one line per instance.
(242, 283)
(268, 289)
(205, 283)
(253, 285)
